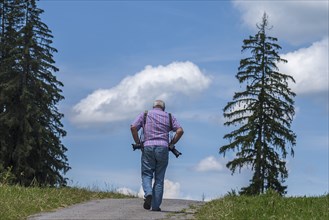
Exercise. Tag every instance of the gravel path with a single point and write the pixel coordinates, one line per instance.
(122, 209)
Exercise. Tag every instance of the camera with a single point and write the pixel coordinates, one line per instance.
(137, 146)
(173, 149)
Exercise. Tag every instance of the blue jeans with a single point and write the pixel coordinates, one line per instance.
(154, 162)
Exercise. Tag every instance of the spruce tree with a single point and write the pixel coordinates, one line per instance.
(33, 146)
(10, 24)
(263, 114)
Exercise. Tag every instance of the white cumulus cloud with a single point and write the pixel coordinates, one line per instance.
(126, 191)
(135, 93)
(299, 23)
(209, 164)
(171, 190)
(309, 67)
(295, 21)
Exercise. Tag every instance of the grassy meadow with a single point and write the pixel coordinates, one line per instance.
(19, 202)
(264, 207)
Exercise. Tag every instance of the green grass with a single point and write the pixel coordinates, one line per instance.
(268, 206)
(19, 202)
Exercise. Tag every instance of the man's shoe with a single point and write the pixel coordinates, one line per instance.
(147, 202)
(157, 210)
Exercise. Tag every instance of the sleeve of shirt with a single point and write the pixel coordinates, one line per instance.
(175, 124)
(138, 122)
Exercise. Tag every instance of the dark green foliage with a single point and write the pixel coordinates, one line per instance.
(263, 114)
(30, 124)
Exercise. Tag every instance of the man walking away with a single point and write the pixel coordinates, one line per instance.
(156, 125)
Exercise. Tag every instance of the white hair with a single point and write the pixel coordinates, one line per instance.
(159, 103)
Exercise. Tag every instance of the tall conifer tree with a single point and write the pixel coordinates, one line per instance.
(34, 130)
(263, 114)
(10, 24)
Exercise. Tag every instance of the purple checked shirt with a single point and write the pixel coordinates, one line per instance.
(157, 127)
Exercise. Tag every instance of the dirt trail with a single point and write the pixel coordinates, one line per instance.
(122, 209)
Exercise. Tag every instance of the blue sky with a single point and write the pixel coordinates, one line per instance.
(116, 57)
